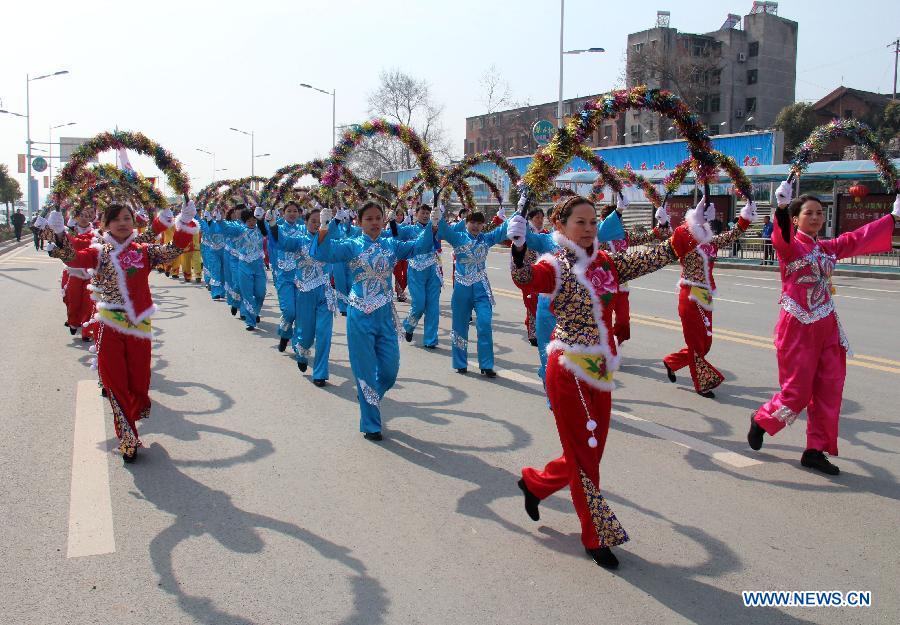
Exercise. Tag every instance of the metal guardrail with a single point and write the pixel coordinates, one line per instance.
(754, 249)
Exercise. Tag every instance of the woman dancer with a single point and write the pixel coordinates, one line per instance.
(284, 264)
(372, 326)
(76, 281)
(810, 343)
(695, 304)
(582, 281)
(121, 271)
(246, 238)
(535, 219)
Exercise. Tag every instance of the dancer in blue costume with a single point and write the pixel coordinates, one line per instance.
(246, 237)
(472, 290)
(315, 299)
(213, 241)
(372, 337)
(284, 264)
(424, 281)
(230, 262)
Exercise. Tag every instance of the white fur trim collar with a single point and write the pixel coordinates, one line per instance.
(580, 253)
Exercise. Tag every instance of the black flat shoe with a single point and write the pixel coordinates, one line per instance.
(104, 392)
(282, 344)
(250, 329)
(707, 394)
(73, 331)
(489, 373)
(233, 311)
(815, 459)
(129, 458)
(670, 374)
(755, 434)
(257, 318)
(408, 336)
(430, 346)
(243, 318)
(217, 298)
(531, 502)
(373, 436)
(462, 371)
(302, 366)
(168, 274)
(85, 339)
(344, 313)
(320, 383)
(604, 557)
(533, 342)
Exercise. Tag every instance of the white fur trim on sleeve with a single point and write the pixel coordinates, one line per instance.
(698, 227)
(190, 228)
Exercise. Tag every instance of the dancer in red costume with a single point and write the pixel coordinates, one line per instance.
(121, 269)
(75, 281)
(582, 281)
(697, 289)
(535, 219)
(809, 341)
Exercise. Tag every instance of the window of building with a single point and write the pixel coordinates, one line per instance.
(715, 103)
(752, 76)
(481, 122)
(495, 143)
(753, 49)
(523, 142)
(608, 132)
(715, 77)
(635, 132)
(714, 130)
(703, 104)
(510, 143)
(638, 47)
(750, 105)
(471, 147)
(848, 113)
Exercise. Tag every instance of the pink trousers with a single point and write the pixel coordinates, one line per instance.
(812, 366)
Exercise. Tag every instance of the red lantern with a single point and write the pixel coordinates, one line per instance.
(858, 192)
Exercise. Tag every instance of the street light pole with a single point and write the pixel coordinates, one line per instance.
(50, 159)
(333, 94)
(562, 21)
(28, 79)
(213, 154)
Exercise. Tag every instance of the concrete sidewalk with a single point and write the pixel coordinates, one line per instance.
(841, 269)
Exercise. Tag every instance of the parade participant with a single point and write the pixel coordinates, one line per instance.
(284, 264)
(535, 219)
(340, 272)
(76, 281)
(810, 343)
(247, 237)
(697, 289)
(213, 263)
(401, 269)
(472, 290)
(190, 261)
(372, 337)
(230, 263)
(621, 307)
(582, 280)
(425, 281)
(315, 297)
(170, 268)
(121, 272)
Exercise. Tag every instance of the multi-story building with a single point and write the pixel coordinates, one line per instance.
(736, 78)
(511, 131)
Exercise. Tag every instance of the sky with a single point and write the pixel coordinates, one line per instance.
(184, 72)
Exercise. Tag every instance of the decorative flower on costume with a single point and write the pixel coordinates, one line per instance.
(131, 261)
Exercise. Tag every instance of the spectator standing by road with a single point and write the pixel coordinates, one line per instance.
(18, 222)
(767, 242)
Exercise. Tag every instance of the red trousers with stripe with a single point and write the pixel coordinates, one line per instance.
(123, 362)
(79, 305)
(696, 325)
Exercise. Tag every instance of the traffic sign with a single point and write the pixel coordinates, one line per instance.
(542, 132)
(39, 164)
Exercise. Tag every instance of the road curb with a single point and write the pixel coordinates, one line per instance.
(851, 273)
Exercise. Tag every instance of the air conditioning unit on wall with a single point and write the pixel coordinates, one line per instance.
(742, 57)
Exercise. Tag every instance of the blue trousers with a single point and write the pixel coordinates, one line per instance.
(287, 302)
(464, 300)
(234, 285)
(213, 264)
(314, 323)
(252, 278)
(544, 323)
(425, 292)
(375, 360)
(204, 252)
(342, 283)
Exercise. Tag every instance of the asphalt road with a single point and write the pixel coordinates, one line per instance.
(258, 501)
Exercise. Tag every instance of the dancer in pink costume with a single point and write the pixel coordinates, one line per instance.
(810, 343)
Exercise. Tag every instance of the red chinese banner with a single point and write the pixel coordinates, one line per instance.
(851, 215)
(680, 204)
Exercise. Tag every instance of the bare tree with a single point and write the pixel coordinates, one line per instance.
(495, 91)
(402, 99)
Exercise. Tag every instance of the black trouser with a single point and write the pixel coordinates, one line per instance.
(768, 252)
(18, 230)
(38, 241)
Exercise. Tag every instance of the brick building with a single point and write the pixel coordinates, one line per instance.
(510, 131)
(847, 103)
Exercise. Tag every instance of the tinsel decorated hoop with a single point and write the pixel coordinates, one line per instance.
(103, 184)
(317, 166)
(857, 132)
(629, 176)
(462, 168)
(486, 181)
(357, 133)
(743, 187)
(120, 139)
(606, 175)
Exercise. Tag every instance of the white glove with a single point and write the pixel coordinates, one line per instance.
(436, 216)
(167, 216)
(501, 213)
(56, 222)
(40, 223)
(622, 203)
(516, 230)
(258, 212)
(278, 213)
(188, 212)
(217, 215)
(407, 220)
(206, 215)
(784, 193)
(325, 216)
(896, 211)
(270, 216)
(748, 212)
(390, 216)
(71, 223)
(709, 213)
(662, 214)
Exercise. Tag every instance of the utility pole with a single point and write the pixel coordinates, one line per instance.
(896, 44)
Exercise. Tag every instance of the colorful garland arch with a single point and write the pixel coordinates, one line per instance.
(355, 135)
(550, 159)
(743, 187)
(486, 181)
(607, 175)
(857, 132)
(275, 181)
(628, 175)
(121, 139)
(491, 156)
(109, 182)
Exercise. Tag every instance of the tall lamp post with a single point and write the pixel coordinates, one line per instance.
(213, 154)
(28, 81)
(333, 95)
(562, 22)
(50, 139)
